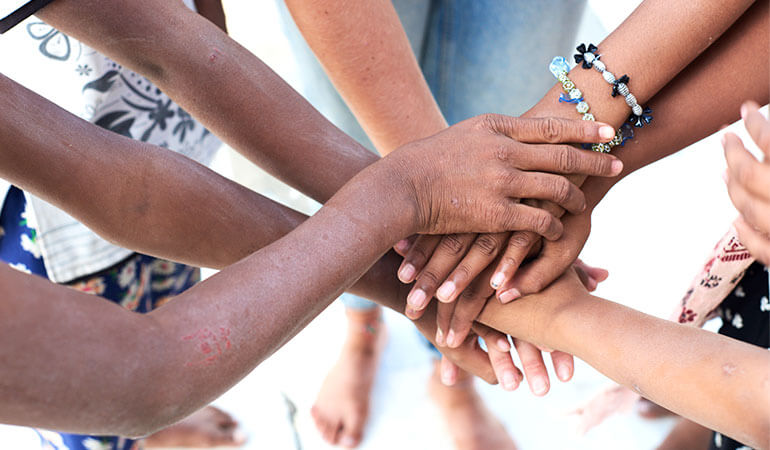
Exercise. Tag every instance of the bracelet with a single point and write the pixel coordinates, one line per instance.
(559, 67)
(588, 57)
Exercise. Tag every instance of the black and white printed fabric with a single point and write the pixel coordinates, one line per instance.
(99, 90)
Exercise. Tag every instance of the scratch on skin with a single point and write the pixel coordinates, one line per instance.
(728, 369)
(211, 344)
(215, 53)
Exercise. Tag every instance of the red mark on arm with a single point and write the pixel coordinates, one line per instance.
(210, 344)
(215, 52)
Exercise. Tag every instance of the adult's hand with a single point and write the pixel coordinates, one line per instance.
(748, 182)
(474, 254)
(469, 177)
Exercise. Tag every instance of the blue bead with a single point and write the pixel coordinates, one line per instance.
(558, 65)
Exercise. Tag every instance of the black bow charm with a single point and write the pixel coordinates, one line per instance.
(624, 79)
(640, 121)
(580, 57)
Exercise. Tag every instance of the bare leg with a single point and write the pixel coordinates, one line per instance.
(472, 425)
(686, 435)
(209, 427)
(342, 407)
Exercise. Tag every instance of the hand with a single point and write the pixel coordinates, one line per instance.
(748, 182)
(513, 280)
(498, 349)
(469, 177)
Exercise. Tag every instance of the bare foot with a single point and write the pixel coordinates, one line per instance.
(209, 427)
(472, 425)
(342, 407)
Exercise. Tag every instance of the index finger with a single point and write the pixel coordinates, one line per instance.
(552, 130)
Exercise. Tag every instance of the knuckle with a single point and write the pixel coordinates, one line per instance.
(562, 190)
(428, 279)
(452, 244)
(509, 261)
(542, 221)
(519, 241)
(567, 161)
(463, 272)
(487, 245)
(549, 129)
(532, 367)
(501, 153)
(488, 122)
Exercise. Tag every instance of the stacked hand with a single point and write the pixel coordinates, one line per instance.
(463, 261)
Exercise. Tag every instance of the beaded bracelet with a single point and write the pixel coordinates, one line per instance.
(588, 57)
(560, 68)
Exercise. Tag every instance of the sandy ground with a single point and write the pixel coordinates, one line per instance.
(652, 232)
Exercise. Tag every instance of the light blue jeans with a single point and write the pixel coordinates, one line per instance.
(478, 56)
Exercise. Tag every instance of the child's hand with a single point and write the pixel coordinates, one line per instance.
(748, 182)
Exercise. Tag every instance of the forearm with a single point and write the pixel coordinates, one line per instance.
(190, 350)
(703, 376)
(690, 107)
(212, 10)
(219, 82)
(366, 53)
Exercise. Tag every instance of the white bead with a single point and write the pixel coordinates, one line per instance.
(588, 116)
(575, 94)
(598, 65)
(589, 57)
(630, 100)
(637, 110)
(623, 89)
(582, 107)
(608, 77)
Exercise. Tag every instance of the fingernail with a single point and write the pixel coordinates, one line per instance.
(497, 280)
(510, 295)
(406, 274)
(539, 386)
(402, 245)
(563, 372)
(410, 313)
(725, 177)
(347, 441)
(446, 291)
(617, 166)
(744, 111)
(417, 299)
(606, 132)
(450, 338)
(440, 338)
(503, 345)
(509, 380)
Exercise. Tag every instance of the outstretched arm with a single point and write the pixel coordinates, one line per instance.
(222, 84)
(708, 378)
(187, 344)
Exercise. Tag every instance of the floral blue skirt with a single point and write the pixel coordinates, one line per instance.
(140, 283)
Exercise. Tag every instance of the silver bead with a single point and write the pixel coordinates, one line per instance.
(589, 57)
(630, 100)
(637, 110)
(582, 107)
(588, 116)
(623, 89)
(575, 94)
(608, 77)
(568, 85)
(598, 65)
(601, 148)
(563, 77)
(617, 140)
